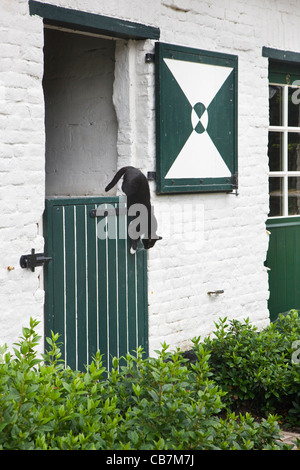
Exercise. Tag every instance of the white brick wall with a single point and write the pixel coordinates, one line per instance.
(21, 164)
(229, 250)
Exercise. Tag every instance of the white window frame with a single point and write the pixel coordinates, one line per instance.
(284, 129)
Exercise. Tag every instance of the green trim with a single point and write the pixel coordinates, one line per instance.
(93, 23)
(200, 55)
(280, 55)
(284, 66)
(163, 108)
(283, 222)
(194, 185)
(65, 201)
(283, 72)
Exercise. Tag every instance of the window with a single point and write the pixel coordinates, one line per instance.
(284, 142)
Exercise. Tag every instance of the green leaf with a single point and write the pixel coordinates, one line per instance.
(3, 424)
(153, 395)
(67, 387)
(136, 389)
(134, 437)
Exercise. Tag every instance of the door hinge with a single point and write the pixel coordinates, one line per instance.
(33, 260)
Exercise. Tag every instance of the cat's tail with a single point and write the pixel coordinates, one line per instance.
(116, 178)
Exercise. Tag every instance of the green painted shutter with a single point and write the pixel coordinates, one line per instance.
(96, 291)
(196, 120)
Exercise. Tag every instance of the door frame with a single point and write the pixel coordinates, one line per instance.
(92, 23)
(86, 23)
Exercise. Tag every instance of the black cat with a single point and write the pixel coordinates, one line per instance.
(136, 187)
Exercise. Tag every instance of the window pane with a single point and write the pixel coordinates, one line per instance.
(294, 107)
(275, 103)
(276, 196)
(294, 195)
(275, 151)
(293, 151)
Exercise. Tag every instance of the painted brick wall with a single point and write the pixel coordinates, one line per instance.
(227, 249)
(21, 165)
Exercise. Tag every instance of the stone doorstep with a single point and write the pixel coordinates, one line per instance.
(289, 438)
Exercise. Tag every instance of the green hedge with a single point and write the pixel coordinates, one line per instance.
(166, 402)
(259, 369)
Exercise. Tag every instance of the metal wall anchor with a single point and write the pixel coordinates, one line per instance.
(216, 292)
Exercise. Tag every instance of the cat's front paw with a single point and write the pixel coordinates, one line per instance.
(132, 250)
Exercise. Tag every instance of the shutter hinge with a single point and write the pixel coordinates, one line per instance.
(149, 58)
(235, 181)
(235, 184)
(151, 175)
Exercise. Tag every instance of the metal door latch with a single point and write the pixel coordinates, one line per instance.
(33, 260)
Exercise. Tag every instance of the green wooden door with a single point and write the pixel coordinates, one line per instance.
(283, 259)
(96, 291)
(284, 263)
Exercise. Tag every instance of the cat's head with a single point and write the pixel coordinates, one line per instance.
(150, 242)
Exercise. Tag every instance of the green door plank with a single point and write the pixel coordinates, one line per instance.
(93, 310)
(112, 296)
(81, 292)
(290, 267)
(71, 286)
(122, 284)
(142, 300)
(58, 267)
(132, 302)
(103, 298)
(48, 273)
